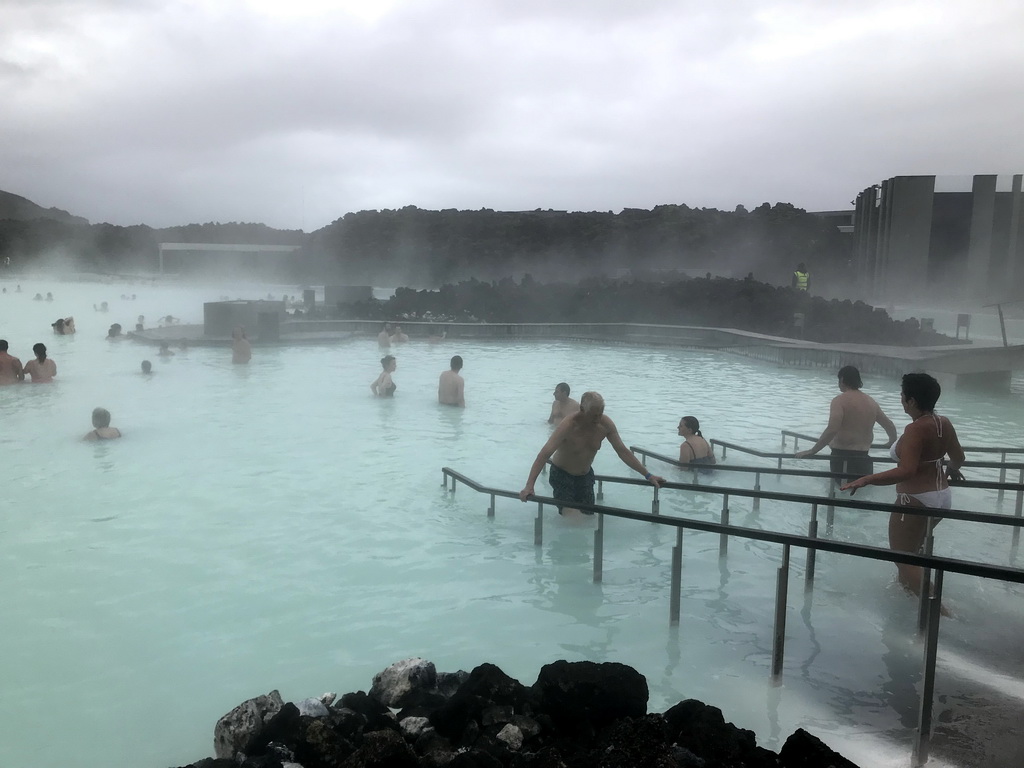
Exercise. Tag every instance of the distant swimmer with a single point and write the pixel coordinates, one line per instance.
(49, 296)
(42, 369)
(37, 297)
(241, 349)
(140, 324)
(572, 448)
(58, 326)
(147, 367)
(102, 429)
(851, 421)
(694, 449)
(451, 387)
(563, 405)
(69, 326)
(165, 350)
(436, 338)
(11, 371)
(114, 332)
(398, 337)
(383, 385)
(384, 337)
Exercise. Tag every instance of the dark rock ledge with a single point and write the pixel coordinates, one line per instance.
(577, 715)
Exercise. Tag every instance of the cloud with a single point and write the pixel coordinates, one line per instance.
(295, 113)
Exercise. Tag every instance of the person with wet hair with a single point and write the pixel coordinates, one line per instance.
(572, 448)
(694, 449)
(101, 426)
(851, 422)
(919, 477)
(563, 406)
(383, 386)
(42, 370)
(451, 387)
(58, 326)
(11, 371)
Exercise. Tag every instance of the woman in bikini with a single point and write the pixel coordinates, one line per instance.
(383, 386)
(694, 449)
(919, 477)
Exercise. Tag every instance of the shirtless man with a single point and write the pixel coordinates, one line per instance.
(384, 337)
(851, 422)
(42, 369)
(451, 388)
(241, 349)
(563, 405)
(575, 443)
(11, 371)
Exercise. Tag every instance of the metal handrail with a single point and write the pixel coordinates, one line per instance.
(967, 449)
(931, 601)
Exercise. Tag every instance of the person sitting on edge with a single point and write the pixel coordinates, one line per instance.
(694, 449)
(384, 337)
(383, 386)
(147, 367)
(11, 371)
(103, 430)
(241, 349)
(42, 369)
(572, 448)
(451, 387)
(851, 421)
(165, 349)
(398, 337)
(563, 405)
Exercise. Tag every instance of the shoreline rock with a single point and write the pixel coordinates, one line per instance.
(576, 715)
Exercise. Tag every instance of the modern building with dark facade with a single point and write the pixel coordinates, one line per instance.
(941, 237)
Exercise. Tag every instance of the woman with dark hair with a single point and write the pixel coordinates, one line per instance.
(919, 477)
(383, 386)
(42, 369)
(694, 449)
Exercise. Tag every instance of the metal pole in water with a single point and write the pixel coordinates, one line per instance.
(757, 487)
(677, 579)
(926, 580)
(490, 509)
(924, 723)
(1002, 477)
(600, 490)
(599, 549)
(779, 639)
(656, 504)
(1018, 511)
(830, 512)
(538, 526)
(812, 554)
(723, 546)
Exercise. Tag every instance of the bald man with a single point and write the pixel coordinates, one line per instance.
(572, 448)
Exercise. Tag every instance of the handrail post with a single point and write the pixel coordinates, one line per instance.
(783, 448)
(453, 485)
(757, 487)
(656, 503)
(600, 490)
(924, 723)
(1018, 511)
(723, 545)
(830, 511)
(812, 553)
(538, 525)
(1002, 477)
(779, 638)
(926, 578)
(444, 480)
(677, 579)
(599, 549)
(490, 509)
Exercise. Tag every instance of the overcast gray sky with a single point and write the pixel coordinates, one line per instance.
(294, 112)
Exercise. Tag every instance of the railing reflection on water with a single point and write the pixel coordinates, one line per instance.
(931, 600)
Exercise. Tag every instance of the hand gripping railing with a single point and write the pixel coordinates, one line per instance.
(929, 562)
(1003, 451)
(835, 480)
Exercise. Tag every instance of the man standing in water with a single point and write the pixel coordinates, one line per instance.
(451, 388)
(574, 444)
(11, 371)
(241, 349)
(563, 405)
(851, 423)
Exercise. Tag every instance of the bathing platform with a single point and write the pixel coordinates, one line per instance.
(975, 365)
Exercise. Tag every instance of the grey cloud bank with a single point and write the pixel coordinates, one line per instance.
(292, 115)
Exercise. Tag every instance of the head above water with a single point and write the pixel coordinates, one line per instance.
(39, 350)
(3, 345)
(592, 404)
(457, 363)
(147, 367)
(387, 362)
(100, 418)
(561, 391)
(850, 377)
(922, 389)
(691, 424)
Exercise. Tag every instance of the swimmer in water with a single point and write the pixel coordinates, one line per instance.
(147, 367)
(694, 449)
(165, 350)
(384, 337)
(563, 405)
(451, 387)
(241, 349)
(102, 429)
(42, 369)
(384, 386)
(11, 371)
(398, 337)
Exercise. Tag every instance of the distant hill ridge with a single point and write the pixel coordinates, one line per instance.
(20, 208)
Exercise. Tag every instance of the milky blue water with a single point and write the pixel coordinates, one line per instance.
(274, 526)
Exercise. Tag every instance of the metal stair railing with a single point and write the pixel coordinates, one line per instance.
(931, 601)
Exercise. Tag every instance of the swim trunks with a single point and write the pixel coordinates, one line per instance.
(857, 462)
(578, 489)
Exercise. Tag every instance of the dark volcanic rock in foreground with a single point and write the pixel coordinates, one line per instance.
(577, 715)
